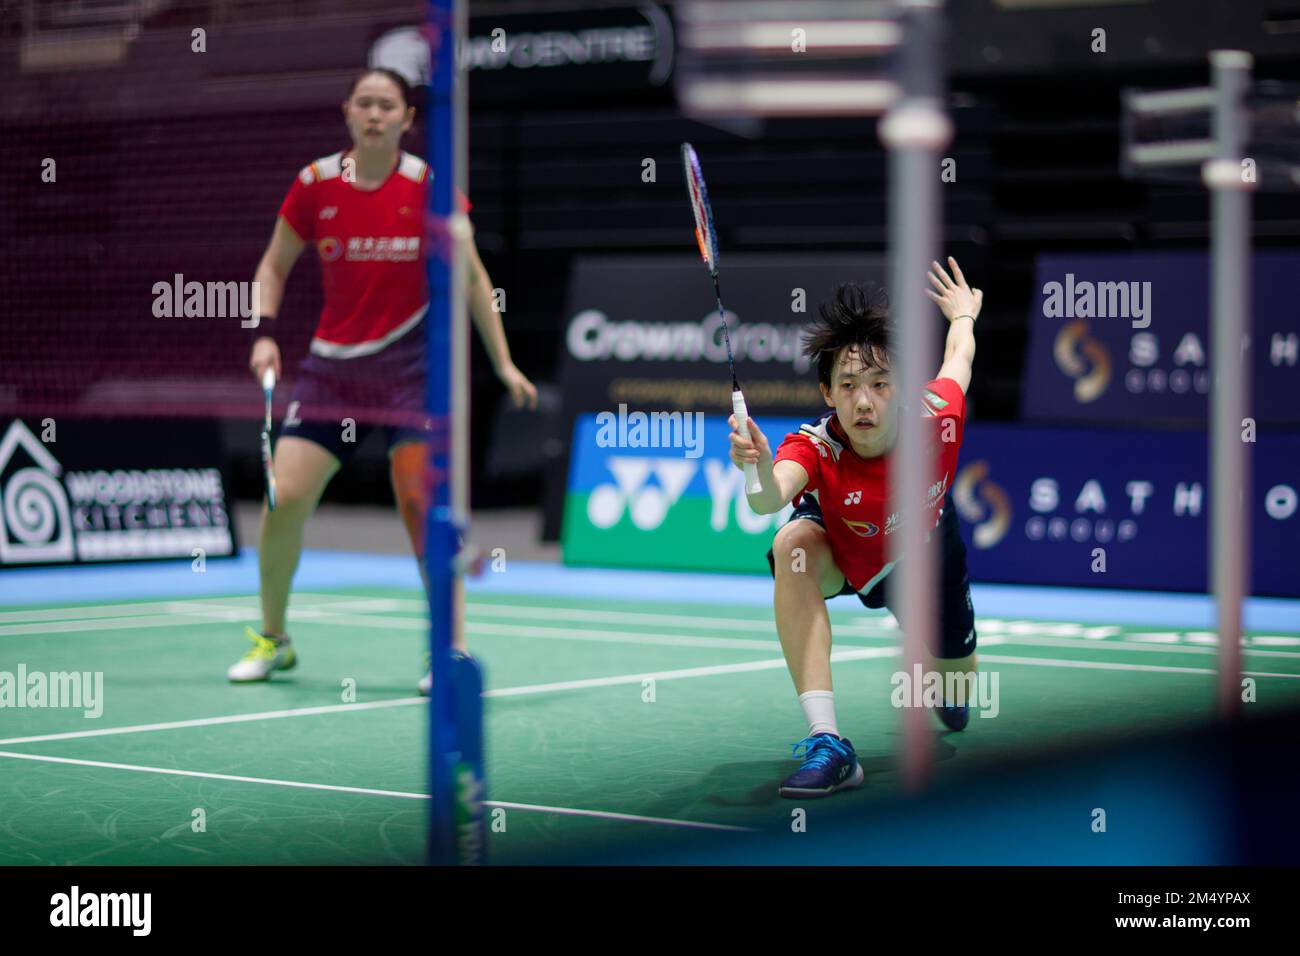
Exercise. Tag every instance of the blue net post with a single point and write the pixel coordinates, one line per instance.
(440, 530)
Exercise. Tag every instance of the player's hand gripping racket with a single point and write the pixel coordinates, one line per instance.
(268, 386)
(707, 238)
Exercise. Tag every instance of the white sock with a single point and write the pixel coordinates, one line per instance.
(819, 710)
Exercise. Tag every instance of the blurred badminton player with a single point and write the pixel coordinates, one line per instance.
(836, 469)
(364, 210)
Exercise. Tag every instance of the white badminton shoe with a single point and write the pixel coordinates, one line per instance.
(266, 655)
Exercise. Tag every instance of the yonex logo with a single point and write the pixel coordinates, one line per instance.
(329, 212)
(632, 492)
(853, 498)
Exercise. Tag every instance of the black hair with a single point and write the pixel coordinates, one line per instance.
(403, 86)
(855, 316)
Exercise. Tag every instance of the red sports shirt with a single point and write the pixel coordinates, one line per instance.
(369, 244)
(853, 491)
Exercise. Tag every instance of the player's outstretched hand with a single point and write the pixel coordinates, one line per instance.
(751, 450)
(955, 298)
(522, 391)
(266, 354)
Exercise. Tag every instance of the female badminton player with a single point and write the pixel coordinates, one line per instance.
(364, 210)
(836, 469)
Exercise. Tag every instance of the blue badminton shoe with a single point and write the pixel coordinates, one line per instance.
(829, 764)
(954, 718)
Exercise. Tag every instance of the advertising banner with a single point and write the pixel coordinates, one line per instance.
(636, 501)
(1125, 339)
(1036, 505)
(644, 331)
(1108, 509)
(78, 491)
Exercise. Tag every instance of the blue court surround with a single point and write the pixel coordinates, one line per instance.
(332, 569)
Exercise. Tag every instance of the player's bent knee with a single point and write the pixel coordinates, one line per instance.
(800, 545)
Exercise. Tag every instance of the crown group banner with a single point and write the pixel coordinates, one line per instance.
(1124, 338)
(1038, 505)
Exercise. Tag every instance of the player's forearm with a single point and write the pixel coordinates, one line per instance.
(270, 285)
(961, 339)
(768, 500)
(487, 319)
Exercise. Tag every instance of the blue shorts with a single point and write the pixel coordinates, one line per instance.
(384, 392)
(957, 636)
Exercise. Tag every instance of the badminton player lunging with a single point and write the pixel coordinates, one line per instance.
(837, 469)
(364, 210)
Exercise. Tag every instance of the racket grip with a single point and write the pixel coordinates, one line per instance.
(268, 378)
(752, 485)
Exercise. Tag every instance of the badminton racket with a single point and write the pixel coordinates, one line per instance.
(706, 237)
(268, 386)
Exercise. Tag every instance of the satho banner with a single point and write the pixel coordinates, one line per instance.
(1117, 509)
(1083, 508)
(1125, 338)
(79, 491)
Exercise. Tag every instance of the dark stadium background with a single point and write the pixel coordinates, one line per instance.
(180, 163)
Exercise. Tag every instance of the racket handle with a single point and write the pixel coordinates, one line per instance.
(268, 378)
(752, 485)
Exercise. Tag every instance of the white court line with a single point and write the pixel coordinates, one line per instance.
(369, 791)
(859, 654)
(328, 615)
(325, 610)
(854, 655)
(1107, 666)
(619, 637)
(772, 664)
(220, 614)
(609, 815)
(1075, 644)
(50, 622)
(186, 616)
(214, 721)
(90, 612)
(534, 611)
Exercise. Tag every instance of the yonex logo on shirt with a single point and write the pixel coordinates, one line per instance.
(853, 498)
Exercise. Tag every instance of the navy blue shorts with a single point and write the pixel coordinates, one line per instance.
(956, 613)
(383, 392)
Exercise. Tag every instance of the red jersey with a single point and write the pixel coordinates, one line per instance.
(369, 245)
(853, 492)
